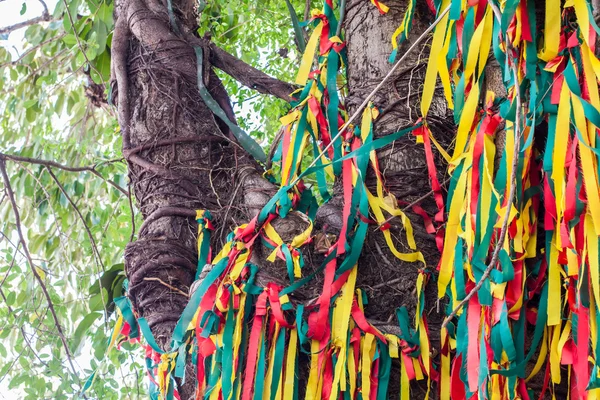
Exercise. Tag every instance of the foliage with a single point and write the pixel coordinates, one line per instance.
(53, 108)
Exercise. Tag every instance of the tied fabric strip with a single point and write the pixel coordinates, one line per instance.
(244, 340)
(532, 314)
(545, 281)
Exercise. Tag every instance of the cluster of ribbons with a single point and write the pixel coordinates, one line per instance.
(536, 315)
(245, 340)
(524, 162)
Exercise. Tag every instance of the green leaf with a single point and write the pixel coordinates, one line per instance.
(70, 40)
(82, 329)
(105, 14)
(298, 33)
(99, 28)
(102, 64)
(10, 299)
(23, 9)
(29, 103)
(97, 301)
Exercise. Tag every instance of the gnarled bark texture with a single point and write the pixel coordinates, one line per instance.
(182, 158)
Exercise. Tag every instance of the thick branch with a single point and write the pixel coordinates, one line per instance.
(119, 76)
(249, 76)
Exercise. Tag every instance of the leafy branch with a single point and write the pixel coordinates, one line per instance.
(38, 278)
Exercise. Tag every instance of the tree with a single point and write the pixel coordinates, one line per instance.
(379, 226)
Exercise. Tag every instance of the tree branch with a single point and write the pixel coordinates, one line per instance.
(43, 3)
(32, 49)
(11, 196)
(249, 76)
(45, 17)
(54, 164)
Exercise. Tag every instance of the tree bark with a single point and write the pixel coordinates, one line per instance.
(182, 158)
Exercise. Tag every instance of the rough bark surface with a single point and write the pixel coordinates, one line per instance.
(402, 163)
(181, 159)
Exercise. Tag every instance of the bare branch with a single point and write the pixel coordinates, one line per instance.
(45, 17)
(54, 164)
(249, 76)
(11, 196)
(45, 7)
(173, 288)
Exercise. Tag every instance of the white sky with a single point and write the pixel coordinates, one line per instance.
(10, 15)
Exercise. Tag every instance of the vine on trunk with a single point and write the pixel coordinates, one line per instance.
(245, 339)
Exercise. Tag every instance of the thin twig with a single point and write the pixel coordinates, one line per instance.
(49, 163)
(45, 17)
(173, 288)
(383, 257)
(387, 283)
(11, 196)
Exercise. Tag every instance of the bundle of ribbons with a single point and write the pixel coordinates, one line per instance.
(518, 229)
(520, 251)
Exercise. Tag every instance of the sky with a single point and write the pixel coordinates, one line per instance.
(10, 15)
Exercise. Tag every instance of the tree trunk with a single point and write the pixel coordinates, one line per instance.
(182, 158)
(403, 162)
